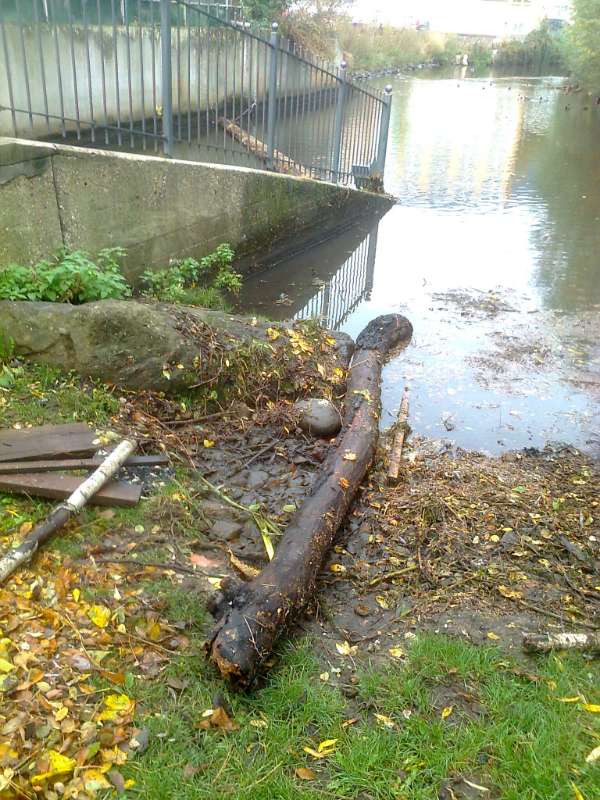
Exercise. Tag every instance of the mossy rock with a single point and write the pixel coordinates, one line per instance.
(143, 346)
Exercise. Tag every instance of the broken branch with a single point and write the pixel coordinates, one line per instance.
(399, 436)
(63, 513)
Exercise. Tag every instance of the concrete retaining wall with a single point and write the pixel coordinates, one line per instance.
(156, 208)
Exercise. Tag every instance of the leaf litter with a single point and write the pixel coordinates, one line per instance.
(67, 722)
(504, 539)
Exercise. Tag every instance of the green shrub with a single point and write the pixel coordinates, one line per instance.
(202, 283)
(71, 277)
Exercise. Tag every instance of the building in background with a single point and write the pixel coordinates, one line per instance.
(494, 19)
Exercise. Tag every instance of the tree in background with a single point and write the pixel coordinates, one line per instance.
(583, 43)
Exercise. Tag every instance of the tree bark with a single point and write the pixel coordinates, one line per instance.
(545, 643)
(250, 617)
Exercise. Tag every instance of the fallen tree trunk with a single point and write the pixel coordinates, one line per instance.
(250, 617)
(545, 643)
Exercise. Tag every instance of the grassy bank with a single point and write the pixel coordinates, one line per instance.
(373, 48)
(115, 694)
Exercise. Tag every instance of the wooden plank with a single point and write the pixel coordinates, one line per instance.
(39, 484)
(20, 434)
(19, 467)
(31, 444)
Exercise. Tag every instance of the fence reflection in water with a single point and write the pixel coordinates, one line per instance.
(352, 283)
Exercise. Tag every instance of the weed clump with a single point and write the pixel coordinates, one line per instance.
(72, 276)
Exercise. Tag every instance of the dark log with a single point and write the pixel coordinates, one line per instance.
(250, 617)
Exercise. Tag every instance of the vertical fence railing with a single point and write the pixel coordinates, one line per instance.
(336, 299)
(188, 79)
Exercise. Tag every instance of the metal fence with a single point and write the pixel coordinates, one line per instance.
(185, 79)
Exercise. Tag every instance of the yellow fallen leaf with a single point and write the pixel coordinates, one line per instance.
(57, 765)
(574, 699)
(447, 711)
(313, 753)
(382, 602)
(345, 649)
(593, 708)
(327, 745)
(76, 595)
(116, 705)
(324, 676)
(61, 713)
(337, 568)
(493, 636)
(6, 666)
(94, 780)
(268, 545)
(208, 443)
(387, 722)
(154, 631)
(100, 615)
(344, 483)
(273, 334)
(305, 774)
(396, 652)
(593, 756)
(577, 793)
(511, 594)
(25, 528)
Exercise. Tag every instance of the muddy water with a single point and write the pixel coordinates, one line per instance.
(493, 252)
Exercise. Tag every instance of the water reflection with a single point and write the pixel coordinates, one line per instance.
(492, 253)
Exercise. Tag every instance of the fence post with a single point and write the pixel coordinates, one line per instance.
(167, 85)
(339, 123)
(272, 90)
(384, 129)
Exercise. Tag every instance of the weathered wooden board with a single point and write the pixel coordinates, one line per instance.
(47, 441)
(55, 486)
(19, 467)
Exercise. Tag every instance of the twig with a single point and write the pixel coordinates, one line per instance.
(390, 575)
(401, 428)
(260, 453)
(157, 565)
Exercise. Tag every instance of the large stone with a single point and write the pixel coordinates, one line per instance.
(319, 417)
(129, 343)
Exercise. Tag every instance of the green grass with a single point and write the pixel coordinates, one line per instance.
(522, 742)
(40, 395)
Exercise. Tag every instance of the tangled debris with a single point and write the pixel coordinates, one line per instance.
(515, 536)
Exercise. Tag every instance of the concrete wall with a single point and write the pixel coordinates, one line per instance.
(217, 63)
(156, 208)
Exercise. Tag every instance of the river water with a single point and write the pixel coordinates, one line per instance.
(492, 251)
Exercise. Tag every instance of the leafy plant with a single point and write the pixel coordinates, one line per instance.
(71, 277)
(203, 283)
